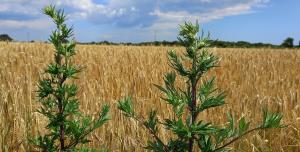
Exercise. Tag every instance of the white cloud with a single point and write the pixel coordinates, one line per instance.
(37, 24)
(85, 5)
(3, 8)
(155, 15)
(171, 19)
(138, 11)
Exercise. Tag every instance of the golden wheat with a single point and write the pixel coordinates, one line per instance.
(251, 77)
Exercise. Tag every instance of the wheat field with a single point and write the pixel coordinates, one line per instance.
(251, 77)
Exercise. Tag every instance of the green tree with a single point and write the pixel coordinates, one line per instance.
(67, 127)
(188, 132)
(288, 42)
(5, 37)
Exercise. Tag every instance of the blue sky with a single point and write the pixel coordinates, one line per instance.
(268, 21)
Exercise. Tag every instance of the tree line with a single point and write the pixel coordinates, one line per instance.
(287, 43)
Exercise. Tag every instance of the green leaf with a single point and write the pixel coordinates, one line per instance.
(202, 128)
(44, 143)
(188, 35)
(206, 61)
(161, 88)
(212, 102)
(205, 143)
(53, 69)
(231, 128)
(70, 48)
(169, 80)
(71, 107)
(69, 72)
(44, 88)
(208, 96)
(152, 121)
(207, 88)
(173, 97)
(272, 120)
(50, 11)
(125, 105)
(103, 116)
(243, 126)
(178, 127)
(66, 33)
(176, 63)
(85, 149)
(179, 110)
(178, 145)
(155, 146)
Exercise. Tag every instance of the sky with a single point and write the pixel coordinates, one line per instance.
(268, 21)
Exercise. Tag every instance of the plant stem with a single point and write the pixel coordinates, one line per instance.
(193, 112)
(61, 80)
(61, 127)
(237, 138)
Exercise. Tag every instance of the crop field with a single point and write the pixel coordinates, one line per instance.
(252, 78)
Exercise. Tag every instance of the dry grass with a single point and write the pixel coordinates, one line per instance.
(251, 77)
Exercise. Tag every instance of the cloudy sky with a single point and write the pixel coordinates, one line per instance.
(268, 21)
